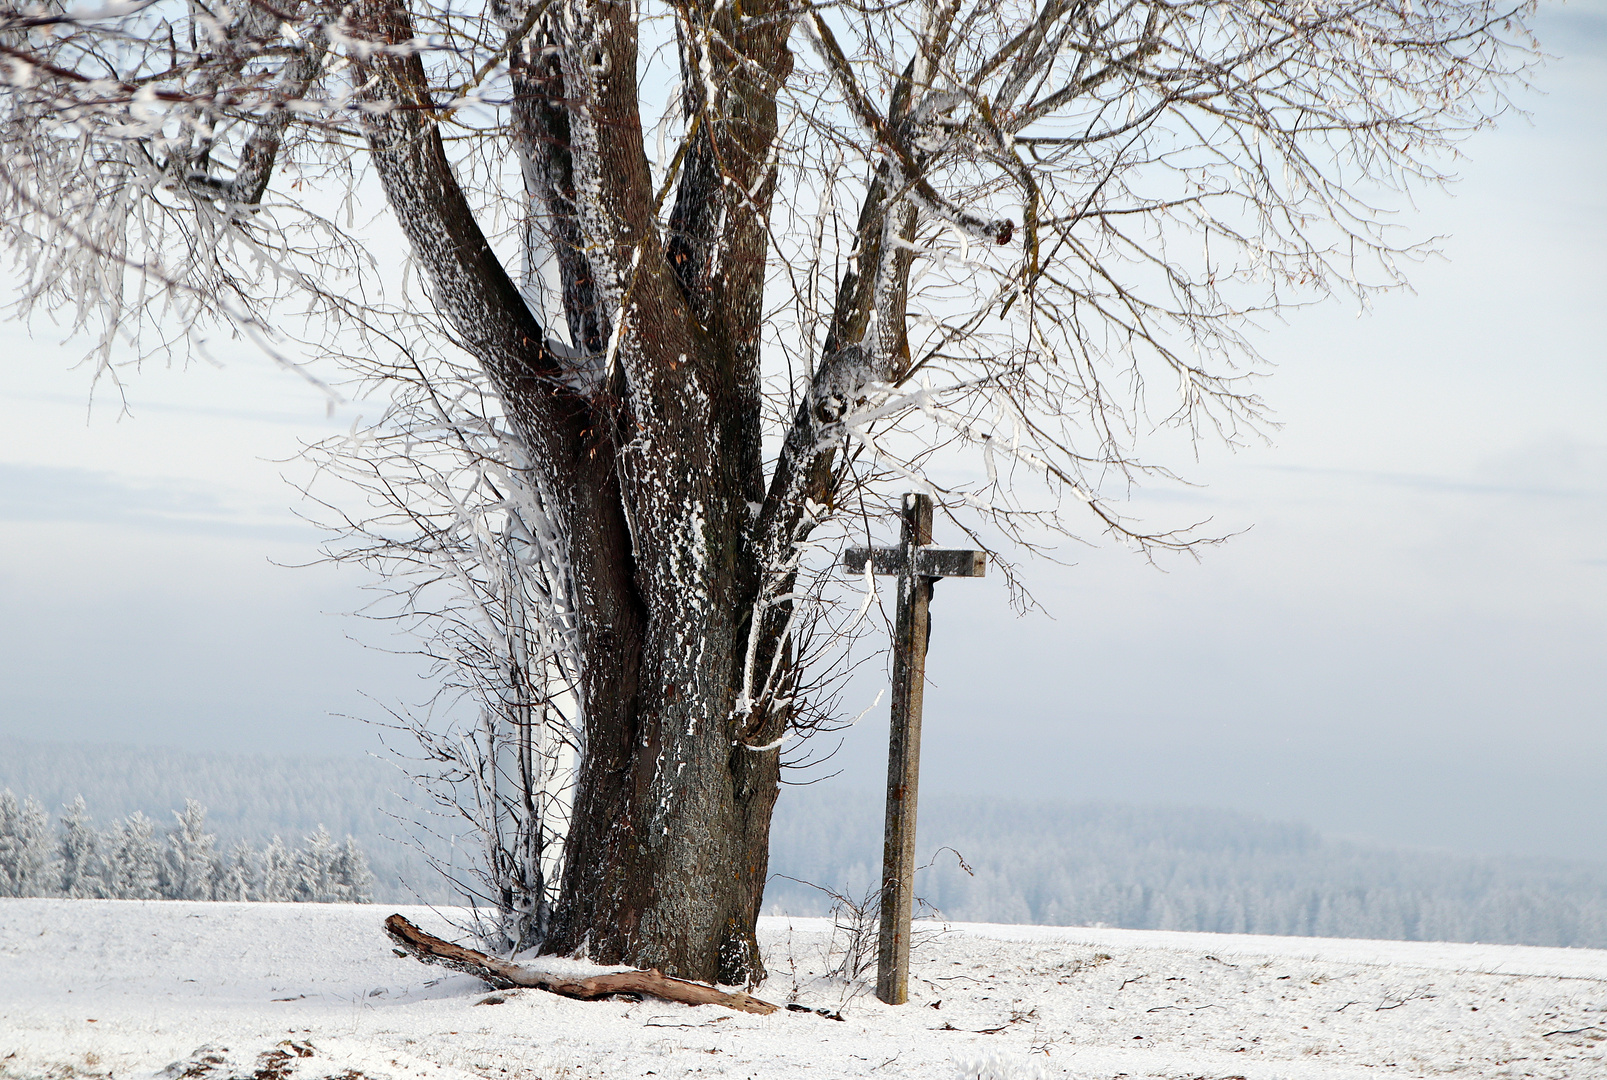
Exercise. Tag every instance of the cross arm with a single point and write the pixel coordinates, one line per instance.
(929, 561)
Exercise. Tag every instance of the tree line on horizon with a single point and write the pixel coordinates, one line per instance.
(1055, 862)
(250, 797)
(1194, 869)
(129, 860)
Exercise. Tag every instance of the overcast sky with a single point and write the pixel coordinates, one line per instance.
(1406, 644)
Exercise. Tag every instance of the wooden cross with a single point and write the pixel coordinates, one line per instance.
(918, 566)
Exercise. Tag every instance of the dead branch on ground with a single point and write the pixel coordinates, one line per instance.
(502, 974)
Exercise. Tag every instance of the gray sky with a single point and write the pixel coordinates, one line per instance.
(1407, 644)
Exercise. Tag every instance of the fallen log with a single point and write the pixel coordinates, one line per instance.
(503, 974)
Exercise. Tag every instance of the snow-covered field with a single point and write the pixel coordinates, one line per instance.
(275, 991)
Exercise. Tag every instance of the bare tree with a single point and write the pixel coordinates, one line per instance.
(770, 262)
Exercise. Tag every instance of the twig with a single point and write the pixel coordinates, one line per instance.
(793, 1006)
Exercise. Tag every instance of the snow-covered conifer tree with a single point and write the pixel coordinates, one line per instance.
(134, 860)
(237, 879)
(189, 855)
(352, 877)
(277, 882)
(82, 869)
(315, 877)
(24, 848)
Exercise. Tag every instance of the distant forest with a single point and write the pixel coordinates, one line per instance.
(132, 860)
(1146, 868)
(1057, 863)
(249, 798)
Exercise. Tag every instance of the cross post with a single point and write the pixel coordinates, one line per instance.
(918, 566)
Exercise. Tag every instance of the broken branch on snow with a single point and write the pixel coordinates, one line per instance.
(502, 974)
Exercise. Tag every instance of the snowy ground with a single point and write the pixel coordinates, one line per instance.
(281, 991)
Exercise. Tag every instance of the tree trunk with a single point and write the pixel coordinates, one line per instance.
(660, 867)
(647, 444)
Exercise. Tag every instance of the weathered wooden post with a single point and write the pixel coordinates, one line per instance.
(918, 566)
